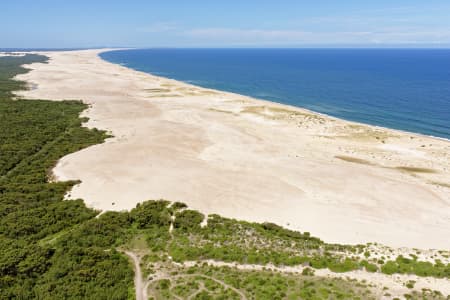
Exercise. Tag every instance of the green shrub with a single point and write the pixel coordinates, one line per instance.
(151, 213)
(308, 272)
(368, 266)
(188, 220)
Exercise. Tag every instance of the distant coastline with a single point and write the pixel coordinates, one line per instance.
(410, 114)
(326, 115)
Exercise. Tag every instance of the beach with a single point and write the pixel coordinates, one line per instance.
(246, 158)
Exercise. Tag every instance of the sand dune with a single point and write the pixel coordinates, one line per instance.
(246, 158)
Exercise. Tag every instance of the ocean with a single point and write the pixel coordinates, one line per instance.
(406, 89)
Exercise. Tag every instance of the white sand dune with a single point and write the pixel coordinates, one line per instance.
(246, 158)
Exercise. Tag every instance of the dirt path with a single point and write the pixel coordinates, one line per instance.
(140, 288)
(218, 281)
(201, 289)
(226, 286)
(395, 283)
(145, 290)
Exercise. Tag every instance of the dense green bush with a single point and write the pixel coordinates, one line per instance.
(151, 213)
(368, 266)
(413, 266)
(50, 248)
(188, 220)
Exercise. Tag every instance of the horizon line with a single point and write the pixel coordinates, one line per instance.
(399, 47)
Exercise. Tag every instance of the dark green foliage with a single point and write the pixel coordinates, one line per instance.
(108, 230)
(413, 266)
(178, 205)
(151, 213)
(368, 266)
(85, 273)
(157, 238)
(276, 230)
(269, 285)
(50, 248)
(10, 66)
(188, 220)
(164, 284)
(253, 243)
(335, 264)
(389, 268)
(23, 260)
(44, 220)
(308, 272)
(426, 294)
(342, 265)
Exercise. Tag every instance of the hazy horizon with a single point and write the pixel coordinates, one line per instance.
(331, 47)
(232, 24)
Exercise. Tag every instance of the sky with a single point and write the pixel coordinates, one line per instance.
(225, 23)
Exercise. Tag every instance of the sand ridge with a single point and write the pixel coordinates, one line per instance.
(246, 158)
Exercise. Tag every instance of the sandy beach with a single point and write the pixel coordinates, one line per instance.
(246, 158)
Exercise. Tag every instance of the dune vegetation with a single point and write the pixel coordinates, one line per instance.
(34, 262)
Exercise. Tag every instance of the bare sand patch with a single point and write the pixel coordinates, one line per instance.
(264, 162)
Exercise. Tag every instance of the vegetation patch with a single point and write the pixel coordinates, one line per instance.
(353, 159)
(229, 283)
(416, 170)
(443, 184)
(405, 265)
(51, 249)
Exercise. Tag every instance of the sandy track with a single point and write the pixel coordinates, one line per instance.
(222, 283)
(395, 283)
(249, 159)
(139, 286)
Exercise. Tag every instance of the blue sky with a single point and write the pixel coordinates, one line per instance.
(226, 23)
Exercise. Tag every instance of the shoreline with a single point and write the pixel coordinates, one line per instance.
(242, 95)
(406, 131)
(255, 146)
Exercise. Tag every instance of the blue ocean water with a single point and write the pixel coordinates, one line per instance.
(407, 89)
